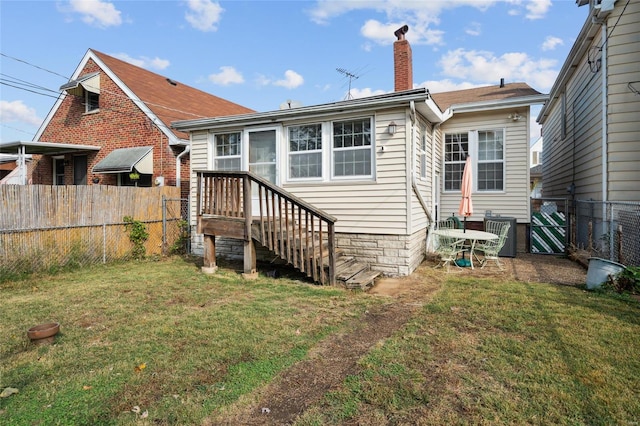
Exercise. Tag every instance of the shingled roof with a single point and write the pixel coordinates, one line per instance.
(168, 99)
(480, 94)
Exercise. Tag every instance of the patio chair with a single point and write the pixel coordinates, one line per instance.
(448, 223)
(491, 248)
(448, 249)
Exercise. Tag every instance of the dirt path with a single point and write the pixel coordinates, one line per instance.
(305, 383)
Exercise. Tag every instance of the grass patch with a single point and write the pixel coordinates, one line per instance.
(159, 335)
(486, 352)
(183, 346)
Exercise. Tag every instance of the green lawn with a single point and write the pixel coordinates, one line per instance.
(181, 346)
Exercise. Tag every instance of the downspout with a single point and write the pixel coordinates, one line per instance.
(178, 168)
(429, 243)
(23, 164)
(414, 185)
(412, 161)
(605, 142)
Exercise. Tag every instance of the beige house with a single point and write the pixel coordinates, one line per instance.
(591, 123)
(385, 167)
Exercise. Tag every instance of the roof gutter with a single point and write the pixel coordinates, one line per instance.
(501, 104)
(582, 44)
(261, 118)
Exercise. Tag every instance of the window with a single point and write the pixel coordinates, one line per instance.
(143, 180)
(58, 171)
(352, 153)
(227, 149)
(456, 149)
(305, 151)
(91, 101)
(490, 160)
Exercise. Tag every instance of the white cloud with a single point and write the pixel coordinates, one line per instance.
(144, 61)
(446, 85)
(97, 12)
(204, 15)
(383, 33)
(291, 80)
(474, 29)
(420, 16)
(17, 111)
(425, 11)
(363, 93)
(227, 75)
(536, 9)
(486, 68)
(551, 42)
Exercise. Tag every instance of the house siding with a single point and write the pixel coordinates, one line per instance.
(378, 205)
(624, 106)
(419, 219)
(514, 200)
(577, 158)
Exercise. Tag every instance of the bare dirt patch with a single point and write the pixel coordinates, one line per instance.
(305, 383)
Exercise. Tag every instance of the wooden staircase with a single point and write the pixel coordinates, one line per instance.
(349, 272)
(295, 231)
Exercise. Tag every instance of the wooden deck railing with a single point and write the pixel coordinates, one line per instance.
(296, 231)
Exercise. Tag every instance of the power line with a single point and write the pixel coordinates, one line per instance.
(27, 90)
(33, 65)
(102, 90)
(16, 129)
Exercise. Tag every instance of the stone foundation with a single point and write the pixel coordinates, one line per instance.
(393, 255)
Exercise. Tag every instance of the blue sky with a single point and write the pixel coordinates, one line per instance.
(262, 53)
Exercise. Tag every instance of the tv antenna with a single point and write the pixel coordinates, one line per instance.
(351, 76)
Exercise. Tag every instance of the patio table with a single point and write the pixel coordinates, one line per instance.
(469, 234)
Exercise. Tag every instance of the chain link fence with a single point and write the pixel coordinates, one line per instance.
(176, 231)
(610, 230)
(47, 249)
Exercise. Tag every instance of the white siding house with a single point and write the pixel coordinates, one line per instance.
(591, 123)
(383, 166)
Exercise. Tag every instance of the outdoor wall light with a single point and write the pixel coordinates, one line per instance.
(392, 128)
(515, 116)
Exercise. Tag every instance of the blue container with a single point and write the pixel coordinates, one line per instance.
(600, 270)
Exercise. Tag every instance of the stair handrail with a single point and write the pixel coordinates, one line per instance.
(235, 209)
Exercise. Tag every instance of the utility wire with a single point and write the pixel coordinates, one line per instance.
(615, 25)
(102, 90)
(33, 65)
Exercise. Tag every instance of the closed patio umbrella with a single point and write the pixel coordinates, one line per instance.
(466, 186)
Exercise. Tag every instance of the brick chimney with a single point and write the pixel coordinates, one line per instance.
(402, 63)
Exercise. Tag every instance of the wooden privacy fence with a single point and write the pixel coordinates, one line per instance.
(43, 227)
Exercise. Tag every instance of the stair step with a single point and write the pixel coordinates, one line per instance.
(350, 270)
(363, 279)
(343, 262)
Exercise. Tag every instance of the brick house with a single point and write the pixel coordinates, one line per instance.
(119, 115)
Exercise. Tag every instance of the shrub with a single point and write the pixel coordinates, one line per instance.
(628, 281)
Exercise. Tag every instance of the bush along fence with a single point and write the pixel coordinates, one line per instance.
(45, 228)
(610, 230)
